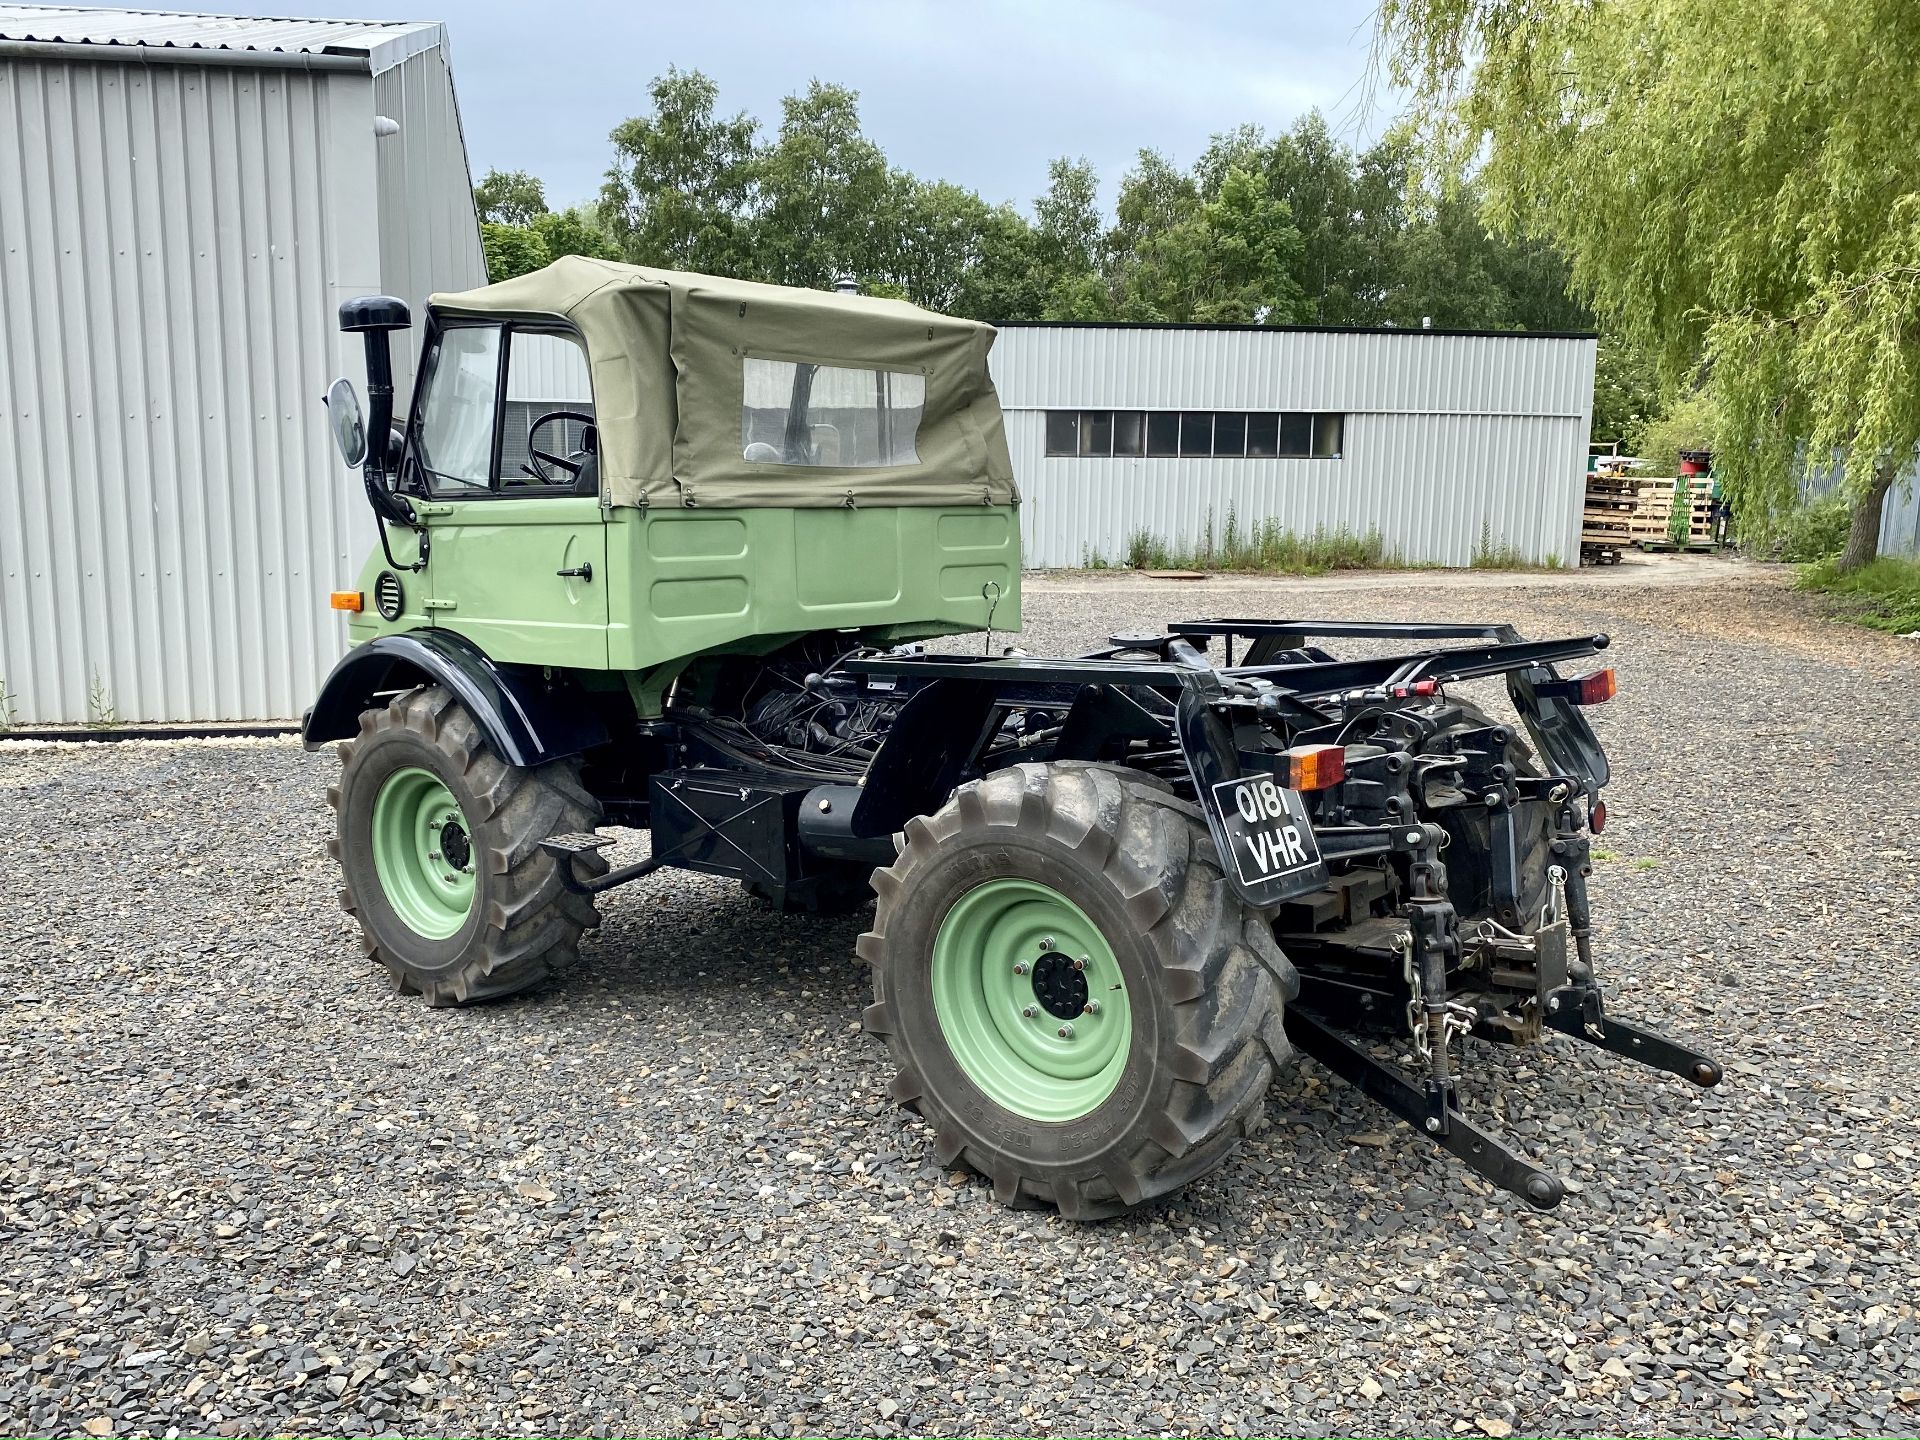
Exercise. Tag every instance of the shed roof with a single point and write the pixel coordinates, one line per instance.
(372, 45)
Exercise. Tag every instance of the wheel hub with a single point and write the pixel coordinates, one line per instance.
(422, 853)
(1031, 1000)
(1060, 985)
(454, 844)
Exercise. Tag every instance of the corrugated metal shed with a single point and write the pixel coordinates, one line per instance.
(177, 236)
(377, 45)
(1900, 517)
(1449, 437)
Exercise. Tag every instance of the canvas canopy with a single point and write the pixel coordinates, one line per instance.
(718, 392)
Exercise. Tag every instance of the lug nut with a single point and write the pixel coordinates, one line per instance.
(1066, 1032)
(1093, 1007)
(433, 854)
(1030, 1012)
(1046, 942)
(1019, 967)
(1080, 964)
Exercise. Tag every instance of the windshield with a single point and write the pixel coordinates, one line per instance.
(830, 416)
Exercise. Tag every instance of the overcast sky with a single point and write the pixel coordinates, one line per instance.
(980, 92)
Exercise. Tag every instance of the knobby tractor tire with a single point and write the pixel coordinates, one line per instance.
(1193, 980)
(521, 921)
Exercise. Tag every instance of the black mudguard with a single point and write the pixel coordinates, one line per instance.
(526, 720)
(1562, 734)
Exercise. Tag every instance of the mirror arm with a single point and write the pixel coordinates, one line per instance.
(374, 317)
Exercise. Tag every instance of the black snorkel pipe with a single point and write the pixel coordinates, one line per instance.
(373, 316)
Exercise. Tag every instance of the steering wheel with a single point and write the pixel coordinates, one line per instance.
(537, 459)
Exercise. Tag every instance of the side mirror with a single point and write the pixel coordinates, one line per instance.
(349, 428)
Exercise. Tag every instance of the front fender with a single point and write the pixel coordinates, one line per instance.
(526, 720)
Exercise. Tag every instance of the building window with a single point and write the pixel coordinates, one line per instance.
(1163, 433)
(1063, 432)
(1327, 435)
(1194, 434)
(1296, 435)
(1229, 433)
(1263, 435)
(1096, 432)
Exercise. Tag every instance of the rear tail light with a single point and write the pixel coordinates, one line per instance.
(1316, 767)
(1593, 689)
(1597, 817)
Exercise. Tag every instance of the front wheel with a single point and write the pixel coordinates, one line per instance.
(439, 846)
(1075, 999)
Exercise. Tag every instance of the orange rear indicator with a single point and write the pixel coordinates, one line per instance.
(1595, 688)
(347, 600)
(1316, 767)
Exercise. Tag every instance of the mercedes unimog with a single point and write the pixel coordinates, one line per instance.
(665, 552)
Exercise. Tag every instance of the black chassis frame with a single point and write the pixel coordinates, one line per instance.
(711, 812)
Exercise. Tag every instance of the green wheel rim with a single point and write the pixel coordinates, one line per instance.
(422, 853)
(1004, 979)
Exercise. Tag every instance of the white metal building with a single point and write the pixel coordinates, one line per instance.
(1434, 438)
(184, 201)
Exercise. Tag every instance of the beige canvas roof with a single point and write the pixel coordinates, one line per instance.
(669, 353)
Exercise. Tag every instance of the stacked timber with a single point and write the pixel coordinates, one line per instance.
(1653, 523)
(1606, 525)
(1626, 511)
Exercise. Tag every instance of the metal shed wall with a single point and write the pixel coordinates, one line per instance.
(430, 236)
(1900, 517)
(174, 239)
(1445, 434)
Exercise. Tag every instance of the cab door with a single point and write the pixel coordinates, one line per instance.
(504, 447)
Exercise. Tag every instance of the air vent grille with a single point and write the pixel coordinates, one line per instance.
(388, 596)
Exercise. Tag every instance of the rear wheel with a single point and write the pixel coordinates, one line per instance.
(438, 841)
(1076, 1001)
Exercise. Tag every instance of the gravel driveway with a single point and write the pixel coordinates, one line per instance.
(245, 1189)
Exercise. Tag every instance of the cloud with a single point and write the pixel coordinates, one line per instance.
(982, 94)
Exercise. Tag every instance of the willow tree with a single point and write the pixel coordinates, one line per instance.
(1737, 187)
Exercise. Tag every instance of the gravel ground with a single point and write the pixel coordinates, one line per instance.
(245, 1189)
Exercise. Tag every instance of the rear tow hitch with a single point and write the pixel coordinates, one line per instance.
(1442, 1123)
(1578, 1010)
(1434, 1110)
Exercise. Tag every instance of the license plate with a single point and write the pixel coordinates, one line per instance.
(1266, 829)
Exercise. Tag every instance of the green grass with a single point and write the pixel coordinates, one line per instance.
(1605, 855)
(1646, 862)
(1265, 548)
(1884, 594)
(1268, 548)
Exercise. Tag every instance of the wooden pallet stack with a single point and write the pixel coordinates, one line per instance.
(1653, 527)
(1634, 511)
(1606, 525)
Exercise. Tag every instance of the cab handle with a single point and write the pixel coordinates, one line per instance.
(577, 572)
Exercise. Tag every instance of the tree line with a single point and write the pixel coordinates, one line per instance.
(1291, 228)
(1736, 189)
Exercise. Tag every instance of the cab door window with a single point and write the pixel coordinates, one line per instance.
(459, 410)
(547, 437)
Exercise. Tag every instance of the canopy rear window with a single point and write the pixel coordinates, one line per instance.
(829, 416)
